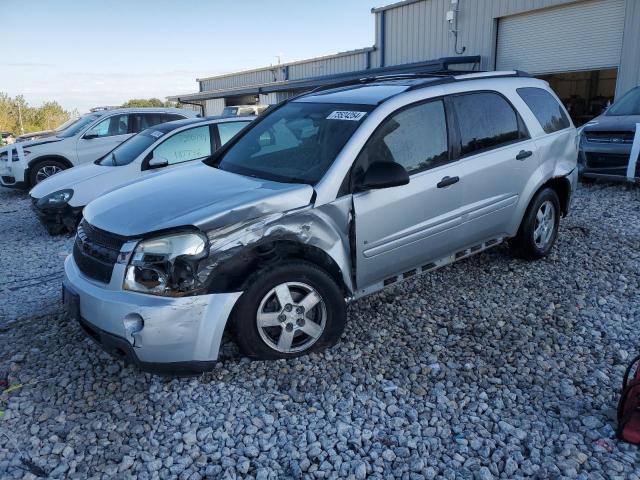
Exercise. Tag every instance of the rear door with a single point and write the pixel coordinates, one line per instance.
(402, 227)
(104, 137)
(497, 159)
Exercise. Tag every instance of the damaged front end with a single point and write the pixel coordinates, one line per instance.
(55, 214)
(190, 262)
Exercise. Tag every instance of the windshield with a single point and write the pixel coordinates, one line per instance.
(129, 150)
(629, 104)
(78, 125)
(67, 124)
(296, 143)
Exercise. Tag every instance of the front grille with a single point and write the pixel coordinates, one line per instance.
(96, 251)
(606, 160)
(610, 137)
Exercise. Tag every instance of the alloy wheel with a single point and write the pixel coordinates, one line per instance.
(291, 317)
(545, 225)
(46, 171)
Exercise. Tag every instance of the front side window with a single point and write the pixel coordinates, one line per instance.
(545, 108)
(296, 143)
(185, 146)
(115, 125)
(629, 104)
(129, 150)
(486, 120)
(228, 130)
(78, 125)
(415, 137)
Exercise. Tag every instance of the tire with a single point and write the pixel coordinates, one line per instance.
(44, 169)
(531, 242)
(283, 331)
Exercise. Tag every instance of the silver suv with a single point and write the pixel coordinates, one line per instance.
(328, 197)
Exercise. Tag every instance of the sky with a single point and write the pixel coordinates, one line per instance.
(90, 53)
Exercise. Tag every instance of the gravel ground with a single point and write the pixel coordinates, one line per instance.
(493, 367)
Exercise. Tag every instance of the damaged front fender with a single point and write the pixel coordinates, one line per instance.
(316, 234)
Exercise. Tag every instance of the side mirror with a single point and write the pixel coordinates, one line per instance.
(90, 136)
(267, 139)
(158, 162)
(384, 175)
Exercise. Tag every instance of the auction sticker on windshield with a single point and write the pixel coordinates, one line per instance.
(346, 115)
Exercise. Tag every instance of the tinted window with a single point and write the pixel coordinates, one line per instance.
(116, 125)
(186, 145)
(486, 120)
(148, 120)
(228, 130)
(297, 142)
(170, 117)
(545, 108)
(415, 137)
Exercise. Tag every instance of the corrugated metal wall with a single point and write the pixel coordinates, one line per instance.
(214, 106)
(629, 73)
(339, 63)
(525, 40)
(418, 31)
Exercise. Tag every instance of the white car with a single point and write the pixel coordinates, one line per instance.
(24, 164)
(58, 201)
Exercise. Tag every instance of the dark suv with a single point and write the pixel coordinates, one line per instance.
(610, 143)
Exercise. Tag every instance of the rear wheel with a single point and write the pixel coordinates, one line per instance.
(289, 310)
(45, 169)
(539, 228)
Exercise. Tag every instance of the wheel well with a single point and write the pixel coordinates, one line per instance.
(562, 187)
(232, 274)
(33, 163)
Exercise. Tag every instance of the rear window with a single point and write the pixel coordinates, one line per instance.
(486, 121)
(545, 108)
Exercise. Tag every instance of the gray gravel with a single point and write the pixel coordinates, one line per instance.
(491, 368)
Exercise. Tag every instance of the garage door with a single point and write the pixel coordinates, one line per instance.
(582, 36)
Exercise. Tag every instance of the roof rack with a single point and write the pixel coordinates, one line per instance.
(100, 109)
(436, 77)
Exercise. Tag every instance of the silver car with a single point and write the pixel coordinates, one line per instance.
(329, 197)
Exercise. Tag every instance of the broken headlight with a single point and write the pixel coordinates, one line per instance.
(167, 265)
(56, 199)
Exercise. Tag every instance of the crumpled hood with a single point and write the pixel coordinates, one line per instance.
(197, 195)
(69, 179)
(38, 141)
(613, 123)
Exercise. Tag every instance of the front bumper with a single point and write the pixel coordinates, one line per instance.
(610, 161)
(179, 334)
(13, 166)
(57, 219)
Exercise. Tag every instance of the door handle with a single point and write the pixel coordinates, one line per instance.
(446, 181)
(524, 154)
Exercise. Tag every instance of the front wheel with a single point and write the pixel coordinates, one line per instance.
(539, 228)
(44, 169)
(289, 310)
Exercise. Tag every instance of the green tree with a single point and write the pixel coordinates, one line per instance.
(17, 116)
(147, 103)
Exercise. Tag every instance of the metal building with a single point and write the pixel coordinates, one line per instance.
(586, 49)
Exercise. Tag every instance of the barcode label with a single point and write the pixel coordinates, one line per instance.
(346, 115)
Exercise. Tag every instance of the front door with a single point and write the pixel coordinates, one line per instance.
(401, 227)
(104, 137)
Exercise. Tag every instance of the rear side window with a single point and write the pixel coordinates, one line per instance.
(228, 130)
(545, 108)
(415, 137)
(486, 120)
